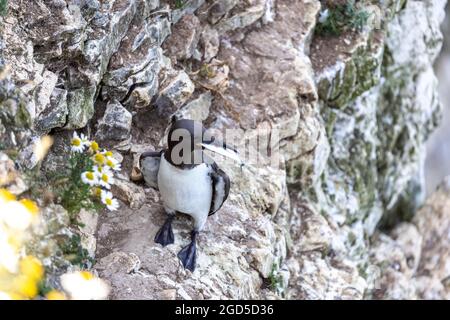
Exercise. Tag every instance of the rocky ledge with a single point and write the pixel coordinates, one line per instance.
(348, 115)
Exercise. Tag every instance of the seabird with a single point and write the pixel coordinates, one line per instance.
(188, 180)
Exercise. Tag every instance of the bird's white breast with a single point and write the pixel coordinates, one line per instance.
(188, 191)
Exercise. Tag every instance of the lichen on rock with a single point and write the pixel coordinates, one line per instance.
(348, 114)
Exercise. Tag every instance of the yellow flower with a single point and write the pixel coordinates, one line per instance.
(26, 286)
(94, 146)
(55, 295)
(89, 178)
(78, 142)
(97, 191)
(30, 206)
(113, 164)
(86, 275)
(99, 158)
(106, 179)
(32, 268)
(108, 153)
(107, 199)
(6, 196)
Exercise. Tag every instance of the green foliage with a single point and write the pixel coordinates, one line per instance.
(179, 4)
(74, 252)
(72, 193)
(341, 18)
(44, 287)
(3, 7)
(275, 279)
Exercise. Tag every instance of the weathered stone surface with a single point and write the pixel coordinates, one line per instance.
(132, 75)
(210, 43)
(316, 278)
(9, 177)
(413, 259)
(55, 115)
(243, 15)
(197, 109)
(184, 39)
(174, 92)
(129, 193)
(115, 124)
(80, 103)
(413, 88)
(347, 117)
(239, 235)
(88, 220)
(376, 159)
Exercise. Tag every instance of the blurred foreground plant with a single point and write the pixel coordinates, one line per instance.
(21, 274)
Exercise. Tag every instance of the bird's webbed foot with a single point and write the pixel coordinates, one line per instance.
(165, 235)
(188, 255)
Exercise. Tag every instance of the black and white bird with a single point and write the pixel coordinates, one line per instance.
(188, 180)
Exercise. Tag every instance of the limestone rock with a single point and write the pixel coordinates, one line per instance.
(174, 92)
(115, 124)
(80, 103)
(197, 109)
(55, 115)
(246, 14)
(184, 38)
(210, 42)
(129, 193)
(414, 262)
(332, 130)
(219, 9)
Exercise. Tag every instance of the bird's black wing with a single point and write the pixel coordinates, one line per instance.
(221, 188)
(149, 166)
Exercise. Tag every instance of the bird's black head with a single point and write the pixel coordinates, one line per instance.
(184, 143)
(187, 139)
(188, 132)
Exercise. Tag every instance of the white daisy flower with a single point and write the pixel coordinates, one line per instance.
(78, 142)
(83, 285)
(99, 159)
(15, 215)
(99, 170)
(5, 296)
(89, 178)
(107, 198)
(9, 259)
(106, 178)
(113, 164)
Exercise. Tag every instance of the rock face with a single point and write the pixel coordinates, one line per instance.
(115, 124)
(347, 118)
(413, 260)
